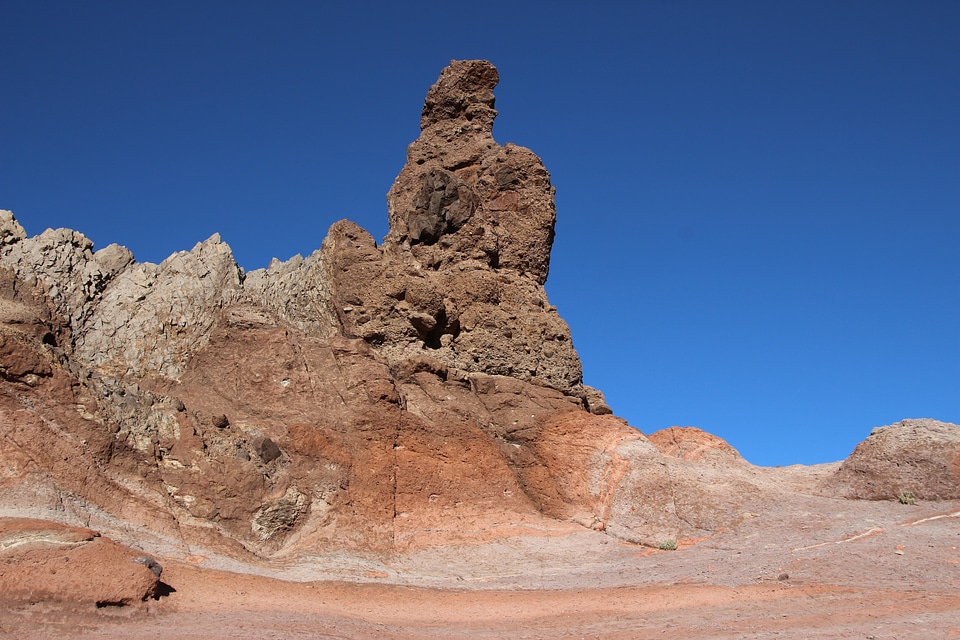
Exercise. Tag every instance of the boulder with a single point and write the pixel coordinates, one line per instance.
(42, 561)
(915, 459)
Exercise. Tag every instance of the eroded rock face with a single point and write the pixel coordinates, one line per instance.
(913, 458)
(460, 274)
(355, 398)
(118, 316)
(461, 196)
(44, 561)
(690, 443)
(367, 397)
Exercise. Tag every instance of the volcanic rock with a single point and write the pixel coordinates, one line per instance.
(462, 197)
(912, 459)
(460, 274)
(356, 398)
(42, 561)
(367, 398)
(690, 443)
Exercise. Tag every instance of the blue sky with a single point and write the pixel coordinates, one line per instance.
(758, 201)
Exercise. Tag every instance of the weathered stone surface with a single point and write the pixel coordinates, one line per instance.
(461, 196)
(298, 292)
(151, 318)
(122, 317)
(660, 498)
(370, 398)
(690, 443)
(43, 561)
(60, 451)
(460, 275)
(919, 458)
(595, 401)
(366, 397)
(10, 229)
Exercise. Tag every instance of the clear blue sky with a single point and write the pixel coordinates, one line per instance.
(758, 201)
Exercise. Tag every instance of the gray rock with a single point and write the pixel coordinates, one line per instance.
(10, 229)
(279, 515)
(149, 563)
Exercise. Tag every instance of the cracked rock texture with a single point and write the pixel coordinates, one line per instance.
(918, 457)
(44, 561)
(368, 397)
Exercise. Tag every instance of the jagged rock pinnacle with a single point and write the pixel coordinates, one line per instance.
(463, 198)
(463, 93)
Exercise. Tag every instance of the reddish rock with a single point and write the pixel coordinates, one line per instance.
(461, 196)
(460, 274)
(365, 399)
(43, 561)
(690, 443)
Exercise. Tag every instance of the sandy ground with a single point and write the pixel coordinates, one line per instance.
(222, 606)
(812, 568)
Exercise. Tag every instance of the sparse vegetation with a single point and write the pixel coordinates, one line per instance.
(907, 497)
(668, 545)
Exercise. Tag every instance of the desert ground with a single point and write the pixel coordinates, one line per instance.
(803, 566)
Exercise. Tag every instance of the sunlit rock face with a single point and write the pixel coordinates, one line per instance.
(356, 398)
(911, 460)
(368, 397)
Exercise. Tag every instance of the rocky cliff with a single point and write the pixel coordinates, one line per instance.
(371, 397)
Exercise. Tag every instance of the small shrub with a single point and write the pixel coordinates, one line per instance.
(668, 545)
(907, 497)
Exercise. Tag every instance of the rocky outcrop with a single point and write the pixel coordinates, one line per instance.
(912, 459)
(367, 397)
(462, 198)
(680, 483)
(42, 561)
(690, 443)
(475, 221)
(122, 318)
(460, 275)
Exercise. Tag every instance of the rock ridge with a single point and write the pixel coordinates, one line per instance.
(246, 410)
(368, 397)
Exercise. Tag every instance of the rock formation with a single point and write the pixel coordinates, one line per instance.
(367, 397)
(912, 460)
(43, 561)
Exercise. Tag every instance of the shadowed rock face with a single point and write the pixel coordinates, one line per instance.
(367, 397)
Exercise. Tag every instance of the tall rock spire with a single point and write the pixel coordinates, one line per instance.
(463, 198)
